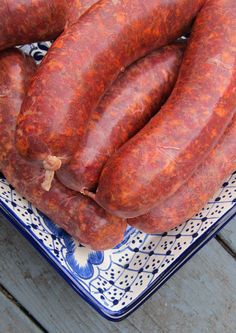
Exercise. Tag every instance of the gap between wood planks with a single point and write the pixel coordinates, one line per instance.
(5, 292)
(225, 246)
(29, 315)
(218, 238)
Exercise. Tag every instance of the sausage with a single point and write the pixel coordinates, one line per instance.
(16, 70)
(26, 21)
(77, 8)
(79, 216)
(164, 154)
(126, 107)
(200, 188)
(80, 66)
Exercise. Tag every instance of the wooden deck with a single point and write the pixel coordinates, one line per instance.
(201, 297)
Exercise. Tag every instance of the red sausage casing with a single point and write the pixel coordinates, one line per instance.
(80, 217)
(16, 71)
(200, 188)
(126, 107)
(27, 21)
(164, 154)
(77, 8)
(83, 62)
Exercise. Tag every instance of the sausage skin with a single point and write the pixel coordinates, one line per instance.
(125, 108)
(16, 71)
(83, 62)
(79, 216)
(27, 21)
(77, 8)
(200, 188)
(153, 164)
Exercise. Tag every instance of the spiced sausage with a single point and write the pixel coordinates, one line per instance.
(200, 188)
(83, 62)
(27, 21)
(16, 71)
(80, 217)
(77, 8)
(126, 107)
(164, 154)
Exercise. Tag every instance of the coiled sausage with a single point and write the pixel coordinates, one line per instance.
(126, 107)
(77, 8)
(79, 216)
(164, 154)
(27, 21)
(193, 195)
(82, 63)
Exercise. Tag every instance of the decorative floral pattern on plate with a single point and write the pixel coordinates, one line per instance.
(114, 282)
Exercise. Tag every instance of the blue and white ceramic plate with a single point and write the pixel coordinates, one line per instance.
(117, 281)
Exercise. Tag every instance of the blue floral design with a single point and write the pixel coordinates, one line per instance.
(81, 259)
(55, 230)
(128, 233)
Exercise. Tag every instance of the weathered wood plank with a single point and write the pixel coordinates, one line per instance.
(201, 297)
(46, 296)
(228, 235)
(13, 320)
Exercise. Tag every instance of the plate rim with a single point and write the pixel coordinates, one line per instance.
(12, 217)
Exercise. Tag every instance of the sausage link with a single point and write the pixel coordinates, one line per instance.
(16, 71)
(83, 62)
(77, 8)
(126, 107)
(79, 216)
(164, 154)
(27, 21)
(200, 188)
